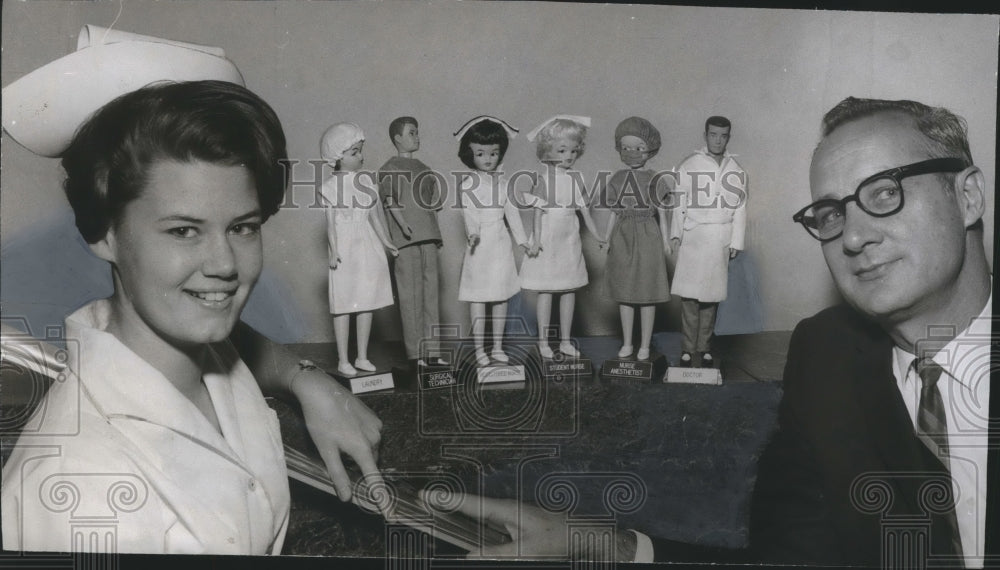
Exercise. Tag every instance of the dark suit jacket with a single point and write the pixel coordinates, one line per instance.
(844, 465)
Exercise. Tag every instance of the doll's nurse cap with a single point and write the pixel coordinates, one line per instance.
(641, 128)
(511, 130)
(585, 121)
(338, 139)
(43, 109)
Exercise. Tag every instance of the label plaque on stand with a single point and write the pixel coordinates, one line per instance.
(433, 377)
(632, 371)
(567, 368)
(372, 383)
(499, 373)
(678, 375)
(365, 382)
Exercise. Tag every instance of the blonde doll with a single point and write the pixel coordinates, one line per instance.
(558, 268)
(357, 239)
(489, 274)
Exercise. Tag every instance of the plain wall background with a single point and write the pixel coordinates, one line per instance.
(773, 72)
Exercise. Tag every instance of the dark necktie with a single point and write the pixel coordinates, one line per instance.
(932, 428)
(932, 424)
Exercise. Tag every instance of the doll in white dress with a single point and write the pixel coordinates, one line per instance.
(357, 239)
(558, 269)
(489, 273)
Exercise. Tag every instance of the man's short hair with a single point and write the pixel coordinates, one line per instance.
(947, 130)
(717, 121)
(397, 125)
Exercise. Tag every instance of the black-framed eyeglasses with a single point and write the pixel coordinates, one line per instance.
(880, 195)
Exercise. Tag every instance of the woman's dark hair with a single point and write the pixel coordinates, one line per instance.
(107, 165)
(484, 133)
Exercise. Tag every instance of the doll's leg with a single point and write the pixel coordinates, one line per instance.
(364, 326)
(647, 313)
(341, 331)
(544, 313)
(478, 313)
(499, 322)
(627, 313)
(567, 302)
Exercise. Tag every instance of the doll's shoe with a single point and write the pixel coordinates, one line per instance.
(346, 369)
(364, 364)
(545, 350)
(686, 360)
(626, 351)
(706, 360)
(499, 355)
(438, 361)
(481, 358)
(643, 354)
(567, 348)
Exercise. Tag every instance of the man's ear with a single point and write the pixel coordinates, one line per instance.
(107, 247)
(395, 139)
(970, 189)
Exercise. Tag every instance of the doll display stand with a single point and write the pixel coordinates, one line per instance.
(633, 371)
(563, 367)
(433, 376)
(678, 375)
(365, 382)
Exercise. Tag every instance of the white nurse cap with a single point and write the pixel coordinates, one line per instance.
(585, 121)
(43, 109)
(511, 131)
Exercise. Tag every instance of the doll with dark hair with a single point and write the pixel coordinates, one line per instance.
(489, 273)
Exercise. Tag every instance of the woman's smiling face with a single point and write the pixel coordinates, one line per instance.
(187, 252)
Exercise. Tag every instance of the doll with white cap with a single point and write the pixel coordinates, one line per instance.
(638, 246)
(357, 239)
(558, 268)
(489, 273)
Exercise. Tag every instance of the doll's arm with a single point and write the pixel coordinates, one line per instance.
(736, 243)
(679, 204)
(513, 216)
(664, 231)
(470, 215)
(588, 220)
(535, 245)
(331, 236)
(389, 190)
(612, 219)
(383, 236)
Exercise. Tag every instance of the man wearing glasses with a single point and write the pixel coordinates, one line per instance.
(881, 455)
(886, 399)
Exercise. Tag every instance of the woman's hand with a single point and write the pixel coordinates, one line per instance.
(338, 422)
(393, 250)
(334, 261)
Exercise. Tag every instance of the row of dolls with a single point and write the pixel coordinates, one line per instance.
(553, 265)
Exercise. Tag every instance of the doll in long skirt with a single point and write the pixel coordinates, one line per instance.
(638, 246)
(489, 273)
(559, 268)
(357, 240)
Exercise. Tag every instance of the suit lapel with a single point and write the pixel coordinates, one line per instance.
(888, 422)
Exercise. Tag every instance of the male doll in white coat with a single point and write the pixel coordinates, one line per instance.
(707, 227)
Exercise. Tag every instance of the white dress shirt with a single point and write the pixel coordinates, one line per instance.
(116, 459)
(965, 393)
